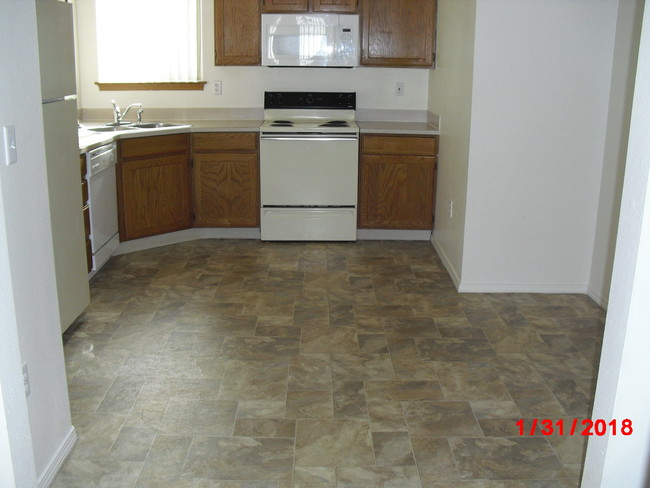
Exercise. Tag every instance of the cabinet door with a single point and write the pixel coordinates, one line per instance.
(340, 6)
(154, 196)
(396, 192)
(398, 32)
(237, 32)
(285, 5)
(226, 190)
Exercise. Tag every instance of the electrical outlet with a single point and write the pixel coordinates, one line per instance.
(399, 89)
(28, 390)
(217, 88)
(451, 208)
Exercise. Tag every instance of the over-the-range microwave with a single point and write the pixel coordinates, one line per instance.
(310, 40)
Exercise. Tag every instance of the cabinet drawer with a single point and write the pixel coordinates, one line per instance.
(389, 144)
(84, 191)
(225, 141)
(153, 146)
(86, 211)
(89, 255)
(83, 167)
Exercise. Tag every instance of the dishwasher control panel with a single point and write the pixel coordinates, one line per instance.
(101, 158)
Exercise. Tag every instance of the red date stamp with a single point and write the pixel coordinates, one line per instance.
(597, 427)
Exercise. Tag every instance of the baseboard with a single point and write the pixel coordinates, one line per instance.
(598, 298)
(446, 263)
(254, 233)
(185, 236)
(47, 478)
(393, 235)
(465, 287)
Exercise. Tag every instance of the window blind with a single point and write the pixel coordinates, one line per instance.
(148, 41)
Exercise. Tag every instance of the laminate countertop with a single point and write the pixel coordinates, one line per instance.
(89, 139)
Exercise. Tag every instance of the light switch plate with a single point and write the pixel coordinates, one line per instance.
(9, 143)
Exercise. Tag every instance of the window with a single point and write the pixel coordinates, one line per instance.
(148, 41)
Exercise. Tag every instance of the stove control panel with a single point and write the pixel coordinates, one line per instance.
(316, 100)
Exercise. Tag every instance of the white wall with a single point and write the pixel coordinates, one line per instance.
(244, 86)
(450, 96)
(16, 454)
(542, 74)
(28, 304)
(622, 391)
(626, 50)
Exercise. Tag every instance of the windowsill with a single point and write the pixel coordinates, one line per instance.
(180, 85)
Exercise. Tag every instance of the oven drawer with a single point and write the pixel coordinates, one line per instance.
(308, 171)
(309, 224)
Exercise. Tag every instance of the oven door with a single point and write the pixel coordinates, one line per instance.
(309, 170)
(308, 187)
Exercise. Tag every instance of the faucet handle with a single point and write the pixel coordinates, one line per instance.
(139, 114)
(117, 116)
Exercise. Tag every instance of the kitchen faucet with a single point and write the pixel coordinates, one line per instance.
(118, 116)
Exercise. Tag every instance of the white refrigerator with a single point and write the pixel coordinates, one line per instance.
(58, 90)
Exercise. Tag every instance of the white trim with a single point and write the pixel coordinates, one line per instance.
(187, 235)
(446, 263)
(62, 453)
(254, 233)
(393, 235)
(465, 287)
(597, 297)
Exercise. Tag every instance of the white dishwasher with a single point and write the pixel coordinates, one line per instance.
(102, 203)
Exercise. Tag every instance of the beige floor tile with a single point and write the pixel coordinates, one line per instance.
(186, 416)
(392, 449)
(304, 404)
(333, 443)
(240, 458)
(380, 477)
(441, 419)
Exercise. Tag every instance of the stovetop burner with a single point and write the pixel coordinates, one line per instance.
(336, 123)
(302, 112)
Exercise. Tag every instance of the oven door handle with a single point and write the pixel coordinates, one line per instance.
(304, 137)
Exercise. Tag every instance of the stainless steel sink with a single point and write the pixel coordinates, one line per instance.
(113, 128)
(154, 125)
(123, 127)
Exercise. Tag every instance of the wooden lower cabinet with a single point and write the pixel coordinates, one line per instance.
(86, 210)
(226, 179)
(397, 182)
(153, 188)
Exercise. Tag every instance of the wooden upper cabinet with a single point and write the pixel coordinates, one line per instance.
(237, 32)
(337, 6)
(398, 32)
(272, 6)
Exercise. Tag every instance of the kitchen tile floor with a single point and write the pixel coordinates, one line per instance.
(241, 364)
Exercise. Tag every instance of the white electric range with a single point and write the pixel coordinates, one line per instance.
(309, 150)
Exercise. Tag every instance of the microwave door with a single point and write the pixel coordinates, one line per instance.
(283, 44)
(318, 45)
(301, 45)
